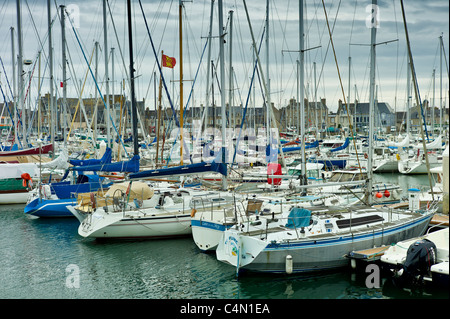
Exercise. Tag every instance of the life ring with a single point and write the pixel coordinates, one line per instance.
(366, 156)
(398, 157)
(193, 211)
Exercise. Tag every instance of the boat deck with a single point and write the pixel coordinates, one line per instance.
(370, 254)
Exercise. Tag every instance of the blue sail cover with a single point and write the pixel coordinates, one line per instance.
(106, 158)
(182, 170)
(342, 147)
(298, 217)
(298, 148)
(84, 184)
(131, 166)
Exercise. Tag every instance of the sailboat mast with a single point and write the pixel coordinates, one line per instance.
(180, 7)
(20, 67)
(50, 64)
(208, 67)
(432, 105)
(373, 36)
(408, 103)
(268, 100)
(440, 85)
(222, 85)
(230, 73)
(105, 50)
(64, 83)
(95, 116)
(16, 126)
(133, 97)
(303, 180)
(39, 99)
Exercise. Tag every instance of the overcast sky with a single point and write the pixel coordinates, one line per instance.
(426, 21)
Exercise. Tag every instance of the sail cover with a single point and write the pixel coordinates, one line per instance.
(106, 158)
(131, 166)
(197, 168)
(342, 147)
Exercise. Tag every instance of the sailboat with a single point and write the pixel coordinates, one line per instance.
(387, 161)
(416, 163)
(52, 199)
(319, 238)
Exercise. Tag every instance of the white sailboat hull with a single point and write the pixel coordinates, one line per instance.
(310, 253)
(161, 226)
(385, 166)
(13, 198)
(415, 167)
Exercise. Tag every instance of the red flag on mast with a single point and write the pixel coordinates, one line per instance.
(168, 61)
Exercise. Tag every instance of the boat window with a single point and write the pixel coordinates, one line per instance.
(346, 223)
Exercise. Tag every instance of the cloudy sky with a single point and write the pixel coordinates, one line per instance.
(426, 21)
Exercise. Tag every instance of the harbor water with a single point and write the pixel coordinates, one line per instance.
(47, 259)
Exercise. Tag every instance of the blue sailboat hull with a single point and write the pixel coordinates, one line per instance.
(40, 207)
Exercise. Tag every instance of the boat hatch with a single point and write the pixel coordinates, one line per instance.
(345, 223)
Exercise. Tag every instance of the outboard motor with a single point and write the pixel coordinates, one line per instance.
(421, 255)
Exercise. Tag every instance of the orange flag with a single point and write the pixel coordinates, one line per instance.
(168, 62)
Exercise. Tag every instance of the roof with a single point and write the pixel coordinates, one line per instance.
(363, 107)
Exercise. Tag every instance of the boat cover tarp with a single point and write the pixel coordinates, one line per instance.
(342, 147)
(131, 166)
(61, 162)
(137, 190)
(106, 158)
(298, 217)
(182, 170)
(15, 170)
(85, 184)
